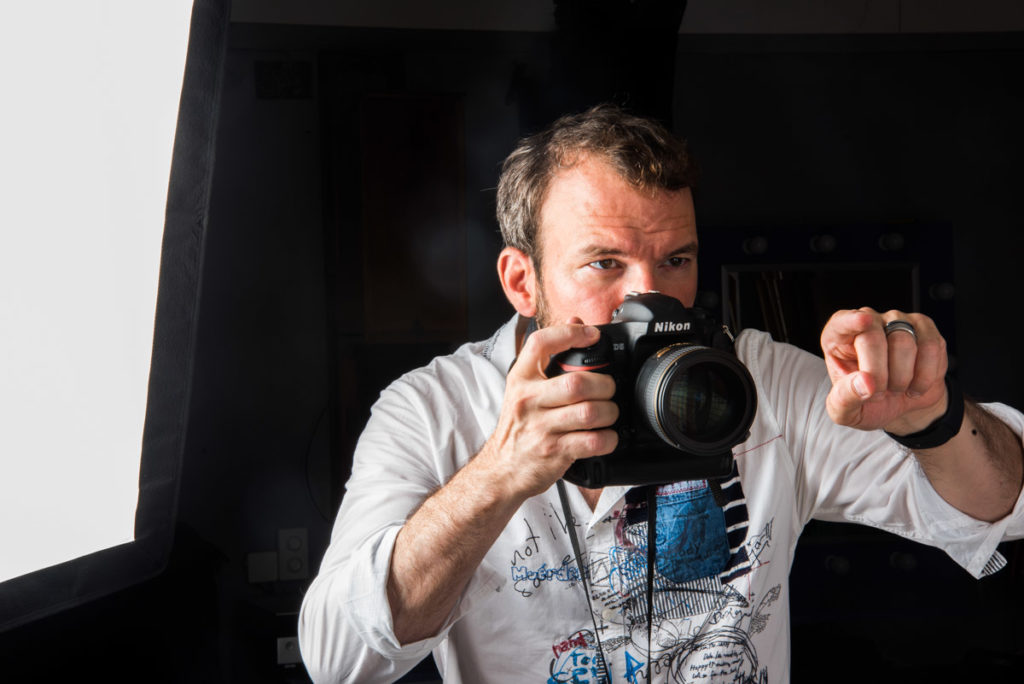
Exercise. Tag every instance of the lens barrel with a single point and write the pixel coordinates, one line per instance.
(698, 399)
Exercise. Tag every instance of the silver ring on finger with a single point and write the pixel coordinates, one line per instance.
(900, 326)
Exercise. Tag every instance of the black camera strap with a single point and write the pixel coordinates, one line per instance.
(570, 524)
(652, 506)
(652, 545)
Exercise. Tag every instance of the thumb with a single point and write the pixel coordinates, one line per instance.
(845, 402)
(541, 345)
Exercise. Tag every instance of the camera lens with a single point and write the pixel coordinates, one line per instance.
(698, 399)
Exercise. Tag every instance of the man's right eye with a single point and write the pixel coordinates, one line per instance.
(603, 264)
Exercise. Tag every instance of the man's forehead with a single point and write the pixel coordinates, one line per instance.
(608, 221)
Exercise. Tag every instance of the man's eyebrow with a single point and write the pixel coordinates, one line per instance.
(597, 250)
(600, 251)
(689, 248)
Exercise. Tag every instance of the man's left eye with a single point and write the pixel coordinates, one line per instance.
(677, 261)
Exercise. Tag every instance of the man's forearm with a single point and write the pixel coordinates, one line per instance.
(544, 426)
(440, 547)
(980, 471)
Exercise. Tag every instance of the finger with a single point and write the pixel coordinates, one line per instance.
(585, 415)
(574, 387)
(845, 325)
(872, 351)
(587, 443)
(902, 362)
(542, 344)
(902, 351)
(931, 363)
(838, 338)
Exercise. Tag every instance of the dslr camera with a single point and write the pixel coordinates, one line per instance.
(684, 397)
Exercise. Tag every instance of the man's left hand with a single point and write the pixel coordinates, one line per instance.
(894, 382)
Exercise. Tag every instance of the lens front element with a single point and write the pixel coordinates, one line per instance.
(698, 399)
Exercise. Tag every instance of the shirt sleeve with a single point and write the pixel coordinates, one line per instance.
(865, 477)
(345, 627)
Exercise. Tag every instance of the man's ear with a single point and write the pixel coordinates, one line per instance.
(518, 280)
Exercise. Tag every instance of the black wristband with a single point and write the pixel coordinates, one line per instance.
(943, 429)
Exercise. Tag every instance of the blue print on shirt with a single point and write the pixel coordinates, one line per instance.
(691, 537)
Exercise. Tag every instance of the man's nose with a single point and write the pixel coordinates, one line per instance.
(642, 279)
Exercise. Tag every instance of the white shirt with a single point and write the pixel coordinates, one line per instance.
(721, 594)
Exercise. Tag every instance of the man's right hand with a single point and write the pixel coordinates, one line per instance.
(544, 426)
(548, 423)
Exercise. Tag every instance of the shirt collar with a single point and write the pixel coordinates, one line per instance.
(503, 343)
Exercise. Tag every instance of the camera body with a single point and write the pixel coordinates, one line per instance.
(684, 397)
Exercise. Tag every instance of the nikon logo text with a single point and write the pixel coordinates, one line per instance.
(669, 326)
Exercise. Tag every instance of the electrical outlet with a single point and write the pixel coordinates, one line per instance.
(288, 651)
(293, 554)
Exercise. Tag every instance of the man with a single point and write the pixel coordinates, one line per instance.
(451, 537)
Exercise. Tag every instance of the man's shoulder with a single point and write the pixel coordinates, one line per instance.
(759, 347)
(455, 396)
(754, 346)
(471, 365)
(750, 339)
(779, 366)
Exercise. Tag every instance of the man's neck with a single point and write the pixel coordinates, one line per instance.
(591, 496)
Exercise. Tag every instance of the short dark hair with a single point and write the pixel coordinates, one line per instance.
(642, 151)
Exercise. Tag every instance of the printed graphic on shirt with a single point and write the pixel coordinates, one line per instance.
(704, 613)
(691, 539)
(577, 660)
(716, 648)
(699, 547)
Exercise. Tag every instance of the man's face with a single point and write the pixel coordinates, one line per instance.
(601, 238)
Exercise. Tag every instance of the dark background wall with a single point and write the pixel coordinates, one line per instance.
(352, 237)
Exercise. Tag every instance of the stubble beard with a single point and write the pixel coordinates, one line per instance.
(542, 317)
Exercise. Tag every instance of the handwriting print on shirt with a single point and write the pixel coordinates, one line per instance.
(528, 568)
(576, 661)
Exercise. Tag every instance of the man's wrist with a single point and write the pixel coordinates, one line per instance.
(943, 428)
(493, 482)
